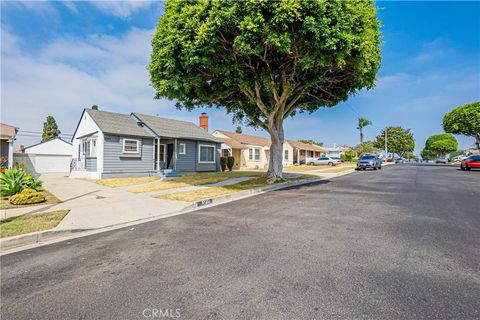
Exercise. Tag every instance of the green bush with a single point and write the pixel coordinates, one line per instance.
(27, 196)
(230, 163)
(14, 180)
(223, 163)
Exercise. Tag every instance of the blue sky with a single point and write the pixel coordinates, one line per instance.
(59, 57)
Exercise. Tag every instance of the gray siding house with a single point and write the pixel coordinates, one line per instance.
(109, 144)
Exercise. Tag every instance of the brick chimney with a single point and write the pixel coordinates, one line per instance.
(22, 147)
(204, 121)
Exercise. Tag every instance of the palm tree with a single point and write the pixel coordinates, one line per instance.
(363, 122)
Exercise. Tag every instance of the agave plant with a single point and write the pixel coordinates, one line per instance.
(15, 180)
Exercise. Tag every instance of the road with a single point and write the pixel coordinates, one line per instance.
(400, 243)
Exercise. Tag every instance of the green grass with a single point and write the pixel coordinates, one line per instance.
(125, 182)
(196, 195)
(50, 199)
(196, 179)
(30, 223)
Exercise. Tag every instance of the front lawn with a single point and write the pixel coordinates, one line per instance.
(50, 199)
(30, 223)
(195, 195)
(125, 182)
(336, 170)
(196, 179)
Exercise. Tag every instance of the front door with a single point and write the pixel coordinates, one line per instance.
(170, 156)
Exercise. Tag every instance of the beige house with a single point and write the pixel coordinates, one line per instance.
(252, 152)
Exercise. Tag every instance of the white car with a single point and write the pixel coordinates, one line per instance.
(324, 160)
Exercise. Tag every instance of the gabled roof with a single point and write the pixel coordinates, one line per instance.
(8, 130)
(174, 128)
(246, 138)
(232, 143)
(49, 140)
(304, 146)
(117, 123)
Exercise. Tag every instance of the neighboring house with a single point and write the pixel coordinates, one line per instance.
(7, 137)
(335, 151)
(304, 151)
(250, 152)
(108, 144)
(54, 155)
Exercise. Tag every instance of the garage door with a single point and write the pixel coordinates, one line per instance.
(48, 163)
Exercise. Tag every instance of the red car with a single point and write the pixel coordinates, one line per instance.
(470, 162)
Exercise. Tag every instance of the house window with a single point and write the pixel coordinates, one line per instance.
(254, 154)
(130, 146)
(89, 148)
(93, 148)
(206, 154)
(286, 155)
(182, 148)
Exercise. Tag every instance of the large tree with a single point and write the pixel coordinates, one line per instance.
(440, 144)
(317, 143)
(399, 140)
(365, 147)
(264, 61)
(464, 120)
(50, 129)
(363, 122)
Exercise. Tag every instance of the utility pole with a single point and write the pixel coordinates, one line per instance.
(386, 149)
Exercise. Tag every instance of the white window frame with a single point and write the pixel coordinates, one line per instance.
(132, 152)
(208, 146)
(182, 146)
(286, 155)
(251, 152)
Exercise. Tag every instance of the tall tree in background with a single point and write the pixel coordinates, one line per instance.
(399, 140)
(263, 61)
(440, 145)
(363, 122)
(317, 143)
(50, 129)
(464, 120)
(238, 130)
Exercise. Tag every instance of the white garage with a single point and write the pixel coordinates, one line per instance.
(50, 156)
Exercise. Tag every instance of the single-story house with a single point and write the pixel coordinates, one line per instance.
(335, 151)
(54, 155)
(7, 137)
(253, 152)
(304, 151)
(109, 144)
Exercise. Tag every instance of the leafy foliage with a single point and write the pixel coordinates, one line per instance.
(50, 129)
(399, 140)
(364, 148)
(230, 163)
(263, 61)
(27, 196)
(464, 120)
(238, 129)
(318, 143)
(440, 145)
(223, 163)
(14, 180)
(363, 122)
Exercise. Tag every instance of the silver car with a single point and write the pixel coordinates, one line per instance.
(369, 161)
(324, 160)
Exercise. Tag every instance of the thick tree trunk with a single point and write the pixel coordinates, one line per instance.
(275, 164)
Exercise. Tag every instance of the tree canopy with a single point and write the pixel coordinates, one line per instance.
(263, 61)
(317, 143)
(464, 120)
(399, 140)
(365, 147)
(363, 122)
(440, 145)
(50, 129)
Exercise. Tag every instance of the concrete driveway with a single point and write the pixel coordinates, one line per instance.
(400, 243)
(95, 206)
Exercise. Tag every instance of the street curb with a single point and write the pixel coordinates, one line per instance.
(34, 237)
(28, 241)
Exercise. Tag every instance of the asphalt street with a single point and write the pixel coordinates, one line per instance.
(400, 243)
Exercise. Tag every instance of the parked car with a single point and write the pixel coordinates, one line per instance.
(369, 161)
(399, 160)
(441, 160)
(324, 160)
(339, 159)
(470, 162)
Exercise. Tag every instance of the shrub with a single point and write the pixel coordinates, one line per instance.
(230, 163)
(223, 163)
(15, 180)
(27, 196)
